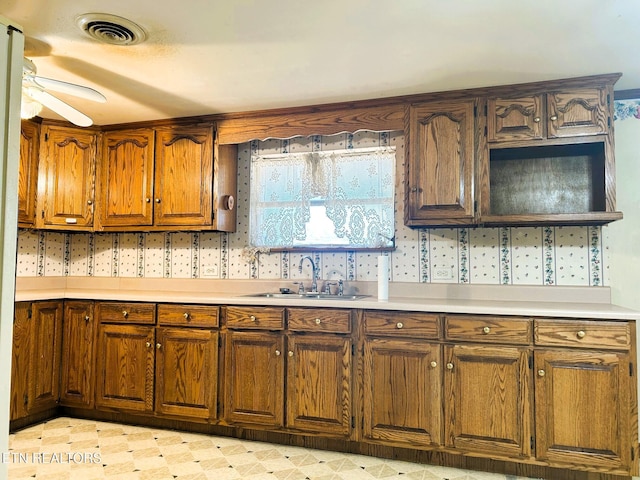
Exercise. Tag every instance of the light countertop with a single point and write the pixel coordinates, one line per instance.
(560, 302)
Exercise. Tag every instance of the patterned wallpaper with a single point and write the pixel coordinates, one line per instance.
(511, 255)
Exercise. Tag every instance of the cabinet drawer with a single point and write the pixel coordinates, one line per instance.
(188, 315)
(402, 324)
(265, 318)
(488, 329)
(582, 333)
(319, 320)
(118, 312)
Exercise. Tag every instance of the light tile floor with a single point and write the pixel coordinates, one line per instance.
(70, 449)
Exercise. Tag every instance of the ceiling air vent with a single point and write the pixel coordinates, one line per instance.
(111, 29)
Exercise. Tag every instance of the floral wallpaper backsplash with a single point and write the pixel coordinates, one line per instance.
(509, 255)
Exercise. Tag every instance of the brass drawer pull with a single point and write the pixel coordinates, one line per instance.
(434, 364)
(87, 318)
(581, 334)
(253, 318)
(158, 346)
(277, 353)
(449, 366)
(541, 373)
(186, 315)
(553, 118)
(148, 344)
(399, 325)
(536, 119)
(318, 321)
(290, 353)
(486, 330)
(125, 314)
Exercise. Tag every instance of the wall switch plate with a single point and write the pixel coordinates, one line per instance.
(443, 273)
(210, 271)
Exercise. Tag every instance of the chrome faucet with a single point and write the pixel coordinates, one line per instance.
(314, 279)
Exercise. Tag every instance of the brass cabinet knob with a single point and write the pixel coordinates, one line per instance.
(87, 318)
(486, 330)
(553, 118)
(290, 353)
(434, 364)
(581, 334)
(414, 189)
(157, 200)
(536, 119)
(125, 314)
(253, 318)
(186, 315)
(89, 202)
(277, 353)
(148, 344)
(158, 346)
(318, 321)
(148, 200)
(541, 373)
(399, 324)
(449, 366)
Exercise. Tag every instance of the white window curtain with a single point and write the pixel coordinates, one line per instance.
(355, 187)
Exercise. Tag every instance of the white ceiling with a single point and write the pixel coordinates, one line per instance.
(213, 56)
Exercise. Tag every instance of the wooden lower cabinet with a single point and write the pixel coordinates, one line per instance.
(78, 355)
(487, 404)
(299, 380)
(254, 385)
(402, 392)
(318, 396)
(125, 373)
(186, 372)
(35, 375)
(583, 409)
(20, 361)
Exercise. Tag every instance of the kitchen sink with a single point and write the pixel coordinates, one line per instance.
(307, 295)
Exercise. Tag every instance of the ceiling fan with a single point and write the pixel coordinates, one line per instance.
(35, 96)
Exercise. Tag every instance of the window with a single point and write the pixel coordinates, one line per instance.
(339, 199)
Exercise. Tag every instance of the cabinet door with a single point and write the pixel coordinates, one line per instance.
(125, 367)
(582, 111)
(487, 400)
(440, 159)
(28, 173)
(66, 178)
(186, 372)
(78, 358)
(254, 387)
(515, 118)
(583, 409)
(184, 176)
(20, 360)
(44, 371)
(125, 188)
(319, 383)
(402, 392)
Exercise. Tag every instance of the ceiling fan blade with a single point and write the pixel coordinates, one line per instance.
(61, 108)
(69, 88)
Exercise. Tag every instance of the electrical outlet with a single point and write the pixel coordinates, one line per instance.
(443, 273)
(210, 271)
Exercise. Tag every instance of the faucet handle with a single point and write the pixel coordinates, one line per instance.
(327, 287)
(300, 287)
(340, 287)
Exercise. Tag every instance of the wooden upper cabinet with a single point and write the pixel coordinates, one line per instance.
(125, 175)
(66, 178)
(583, 111)
(184, 176)
(518, 118)
(440, 163)
(558, 113)
(28, 173)
(166, 178)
